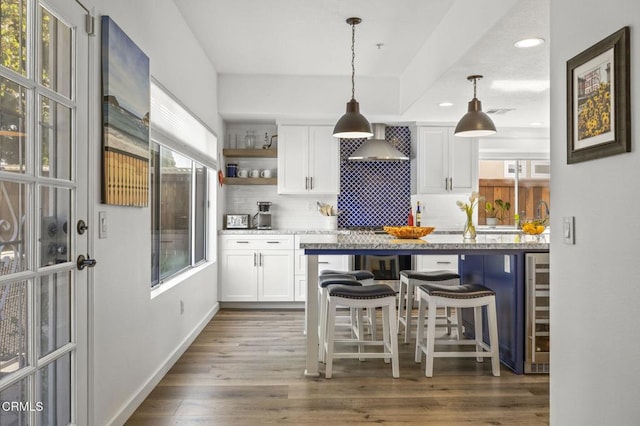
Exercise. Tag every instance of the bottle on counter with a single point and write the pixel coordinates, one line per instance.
(410, 218)
(418, 215)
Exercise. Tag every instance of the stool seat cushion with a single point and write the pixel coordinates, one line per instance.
(375, 291)
(430, 275)
(358, 275)
(334, 279)
(464, 291)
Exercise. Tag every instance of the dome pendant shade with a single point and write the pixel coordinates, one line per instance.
(352, 125)
(475, 123)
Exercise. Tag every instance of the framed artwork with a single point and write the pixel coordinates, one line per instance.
(125, 119)
(598, 100)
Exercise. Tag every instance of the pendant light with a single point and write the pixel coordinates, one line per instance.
(475, 122)
(353, 125)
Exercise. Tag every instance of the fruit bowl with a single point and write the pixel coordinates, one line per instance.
(533, 226)
(408, 232)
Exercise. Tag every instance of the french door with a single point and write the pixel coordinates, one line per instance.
(43, 196)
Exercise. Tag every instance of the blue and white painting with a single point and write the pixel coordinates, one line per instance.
(125, 112)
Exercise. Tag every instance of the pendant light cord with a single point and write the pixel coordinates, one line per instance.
(353, 61)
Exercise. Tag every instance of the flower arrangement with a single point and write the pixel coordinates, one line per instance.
(469, 228)
(497, 209)
(327, 209)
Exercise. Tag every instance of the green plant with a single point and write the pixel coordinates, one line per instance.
(497, 209)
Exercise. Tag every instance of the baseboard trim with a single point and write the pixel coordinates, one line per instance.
(134, 402)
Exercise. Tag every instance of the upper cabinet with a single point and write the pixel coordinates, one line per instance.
(443, 163)
(308, 160)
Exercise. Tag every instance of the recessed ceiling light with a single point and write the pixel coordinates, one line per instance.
(528, 42)
(445, 104)
(536, 123)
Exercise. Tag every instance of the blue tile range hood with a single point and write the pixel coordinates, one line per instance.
(375, 193)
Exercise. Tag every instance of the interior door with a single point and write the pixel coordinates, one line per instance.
(43, 195)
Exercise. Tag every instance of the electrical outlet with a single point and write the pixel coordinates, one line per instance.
(507, 264)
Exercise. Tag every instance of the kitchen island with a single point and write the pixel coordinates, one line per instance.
(496, 260)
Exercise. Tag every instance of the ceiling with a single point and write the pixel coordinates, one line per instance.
(311, 38)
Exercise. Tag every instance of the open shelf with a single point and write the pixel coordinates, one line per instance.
(254, 153)
(251, 181)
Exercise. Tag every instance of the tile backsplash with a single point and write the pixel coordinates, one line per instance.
(375, 193)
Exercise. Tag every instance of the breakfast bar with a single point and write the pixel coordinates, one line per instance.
(496, 260)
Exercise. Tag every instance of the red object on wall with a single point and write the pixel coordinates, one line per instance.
(220, 177)
(410, 219)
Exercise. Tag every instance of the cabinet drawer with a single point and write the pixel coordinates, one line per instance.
(437, 261)
(256, 242)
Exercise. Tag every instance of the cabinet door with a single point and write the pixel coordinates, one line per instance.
(433, 160)
(333, 262)
(293, 154)
(324, 161)
(464, 164)
(239, 276)
(275, 275)
(300, 288)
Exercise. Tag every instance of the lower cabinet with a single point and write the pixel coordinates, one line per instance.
(503, 274)
(336, 263)
(256, 268)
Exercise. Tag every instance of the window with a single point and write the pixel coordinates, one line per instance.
(527, 191)
(182, 156)
(178, 212)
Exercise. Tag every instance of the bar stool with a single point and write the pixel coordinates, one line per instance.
(409, 280)
(463, 296)
(373, 296)
(324, 281)
(364, 278)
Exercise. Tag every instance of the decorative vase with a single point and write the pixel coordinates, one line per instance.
(469, 232)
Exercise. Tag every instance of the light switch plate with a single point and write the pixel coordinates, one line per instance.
(102, 224)
(568, 230)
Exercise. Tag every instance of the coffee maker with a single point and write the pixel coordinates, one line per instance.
(262, 219)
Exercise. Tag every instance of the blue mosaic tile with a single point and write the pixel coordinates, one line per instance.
(375, 193)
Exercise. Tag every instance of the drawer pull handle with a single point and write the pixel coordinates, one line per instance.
(325, 263)
(441, 262)
(242, 242)
(273, 242)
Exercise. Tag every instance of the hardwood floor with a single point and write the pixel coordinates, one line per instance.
(246, 368)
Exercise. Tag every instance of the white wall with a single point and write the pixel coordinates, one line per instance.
(595, 368)
(136, 337)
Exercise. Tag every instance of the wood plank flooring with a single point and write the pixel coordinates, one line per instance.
(246, 368)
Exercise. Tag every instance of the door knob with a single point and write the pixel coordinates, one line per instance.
(83, 262)
(81, 227)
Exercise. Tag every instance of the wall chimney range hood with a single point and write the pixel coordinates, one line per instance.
(377, 148)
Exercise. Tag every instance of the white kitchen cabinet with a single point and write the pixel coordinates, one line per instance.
(337, 263)
(443, 163)
(256, 268)
(436, 262)
(308, 160)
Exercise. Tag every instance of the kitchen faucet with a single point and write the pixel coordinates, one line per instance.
(546, 208)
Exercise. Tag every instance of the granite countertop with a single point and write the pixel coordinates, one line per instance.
(282, 231)
(433, 242)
